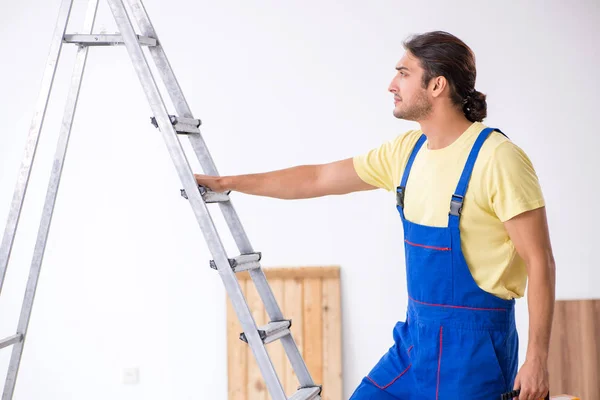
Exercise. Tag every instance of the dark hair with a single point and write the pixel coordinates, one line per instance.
(442, 54)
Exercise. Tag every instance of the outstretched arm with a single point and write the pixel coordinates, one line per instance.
(300, 182)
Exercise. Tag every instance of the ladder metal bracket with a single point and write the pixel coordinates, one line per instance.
(272, 331)
(213, 197)
(242, 262)
(181, 125)
(308, 393)
(11, 340)
(208, 195)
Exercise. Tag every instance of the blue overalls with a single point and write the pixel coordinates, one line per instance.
(458, 341)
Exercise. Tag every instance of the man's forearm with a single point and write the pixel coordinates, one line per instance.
(290, 183)
(541, 296)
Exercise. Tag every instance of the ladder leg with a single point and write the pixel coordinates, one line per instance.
(198, 206)
(33, 138)
(50, 201)
(208, 166)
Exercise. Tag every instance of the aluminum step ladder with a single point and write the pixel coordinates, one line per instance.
(171, 127)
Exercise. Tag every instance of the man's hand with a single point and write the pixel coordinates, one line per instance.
(532, 379)
(214, 183)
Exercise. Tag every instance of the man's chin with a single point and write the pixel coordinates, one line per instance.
(405, 116)
(399, 115)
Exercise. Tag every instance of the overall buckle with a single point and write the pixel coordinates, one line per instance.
(456, 205)
(400, 196)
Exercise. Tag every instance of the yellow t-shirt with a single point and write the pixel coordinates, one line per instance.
(503, 185)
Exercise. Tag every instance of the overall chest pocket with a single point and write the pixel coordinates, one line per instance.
(429, 270)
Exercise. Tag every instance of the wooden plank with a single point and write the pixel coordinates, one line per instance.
(556, 355)
(292, 308)
(571, 351)
(275, 349)
(589, 329)
(256, 387)
(237, 360)
(574, 358)
(332, 340)
(313, 328)
(296, 273)
(313, 305)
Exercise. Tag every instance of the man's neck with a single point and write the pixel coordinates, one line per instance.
(443, 130)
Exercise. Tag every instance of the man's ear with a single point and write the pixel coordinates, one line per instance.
(438, 85)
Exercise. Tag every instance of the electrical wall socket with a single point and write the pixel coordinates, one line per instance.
(131, 376)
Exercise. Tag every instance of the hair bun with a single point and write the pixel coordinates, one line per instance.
(475, 106)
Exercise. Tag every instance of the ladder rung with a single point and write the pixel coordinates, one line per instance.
(11, 340)
(181, 124)
(209, 196)
(308, 393)
(272, 331)
(242, 262)
(214, 197)
(189, 121)
(111, 39)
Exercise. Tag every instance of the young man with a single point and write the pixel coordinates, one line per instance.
(475, 229)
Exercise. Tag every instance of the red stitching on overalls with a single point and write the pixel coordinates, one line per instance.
(437, 391)
(409, 349)
(449, 306)
(389, 384)
(428, 247)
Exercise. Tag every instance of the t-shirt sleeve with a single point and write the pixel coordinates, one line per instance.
(514, 186)
(375, 166)
(381, 166)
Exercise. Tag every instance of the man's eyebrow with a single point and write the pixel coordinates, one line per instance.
(402, 67)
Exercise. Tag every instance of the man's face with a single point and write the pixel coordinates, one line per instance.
(411, 99)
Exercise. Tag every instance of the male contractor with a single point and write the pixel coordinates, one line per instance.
(475, 231)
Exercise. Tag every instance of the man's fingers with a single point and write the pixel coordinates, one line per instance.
(202, 179)
(531, 394)
(208, 181)
(536, 392)
(517, 386)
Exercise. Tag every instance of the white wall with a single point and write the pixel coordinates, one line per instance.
(125, 281)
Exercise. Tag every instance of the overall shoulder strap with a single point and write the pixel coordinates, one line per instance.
(456, 203)
(401, 189)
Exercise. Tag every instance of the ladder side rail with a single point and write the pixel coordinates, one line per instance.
(231, 217)
(51, 195)
(198, 206)
(33, 138)
(229, 213)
